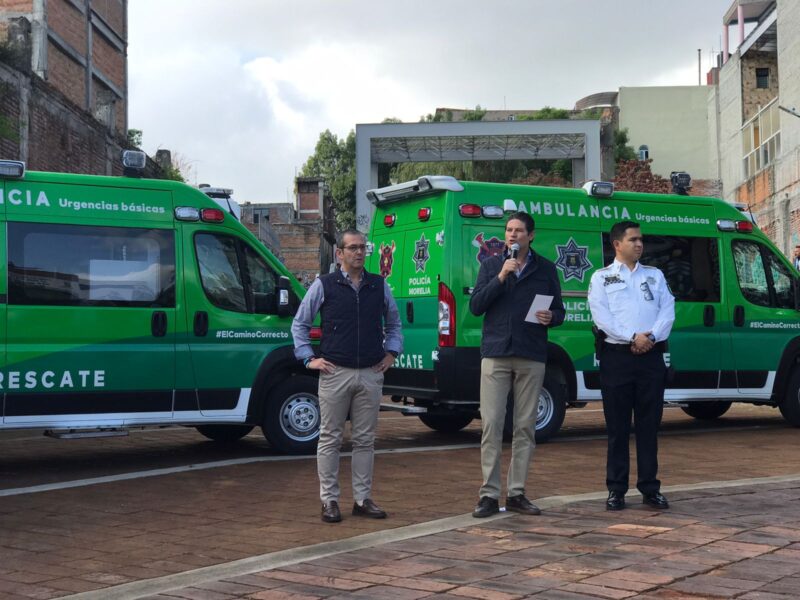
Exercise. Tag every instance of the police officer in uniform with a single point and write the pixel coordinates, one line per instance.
(633, 306)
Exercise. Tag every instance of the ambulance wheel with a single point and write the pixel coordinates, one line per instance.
(550, 411)
(291, 416)
(446, 423)
(706, 410)
(790, 407)
(224, 433)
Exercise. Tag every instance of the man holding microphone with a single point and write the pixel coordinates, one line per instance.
(513, 357)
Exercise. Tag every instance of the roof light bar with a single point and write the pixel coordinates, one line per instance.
(424, 185)
(599, 189)
(738, 226)
(12, 169)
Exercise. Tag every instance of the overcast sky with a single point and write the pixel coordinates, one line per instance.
(241, 89)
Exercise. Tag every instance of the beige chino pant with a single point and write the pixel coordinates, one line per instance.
(498, 377)
(356, 392)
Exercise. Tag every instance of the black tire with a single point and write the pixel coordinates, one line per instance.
(447, 423)
(291, 416)
(551, 410)
(790, 407)
(225, 433)
(707, 410)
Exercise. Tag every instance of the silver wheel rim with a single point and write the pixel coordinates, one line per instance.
(545, 410)
(300, 417)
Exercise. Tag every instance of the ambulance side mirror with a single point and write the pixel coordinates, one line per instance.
(283, 298)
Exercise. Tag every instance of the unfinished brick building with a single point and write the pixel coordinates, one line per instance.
(63, 84)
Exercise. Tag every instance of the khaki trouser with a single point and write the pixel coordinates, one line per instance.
(498, 377)
(356, 392)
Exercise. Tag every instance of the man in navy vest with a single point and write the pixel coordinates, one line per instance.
(361, 338)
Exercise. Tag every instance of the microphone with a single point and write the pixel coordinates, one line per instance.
(513, 250)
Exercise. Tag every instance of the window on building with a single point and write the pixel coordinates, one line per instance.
(256, 218)
(761, 139)
(762, 78)
(644, 152)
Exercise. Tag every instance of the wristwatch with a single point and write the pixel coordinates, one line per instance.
(652, 337)
(308, 360)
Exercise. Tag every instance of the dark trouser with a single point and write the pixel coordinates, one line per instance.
(632, 385)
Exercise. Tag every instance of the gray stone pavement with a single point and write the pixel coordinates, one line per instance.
(734, 539)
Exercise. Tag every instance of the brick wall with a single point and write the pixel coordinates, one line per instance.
(68, 23)
(9, 121)
(113, 13)
(16, 6)
(66, 75)
(65, 61)
(753, 97)
(50, 133)
(109, 61)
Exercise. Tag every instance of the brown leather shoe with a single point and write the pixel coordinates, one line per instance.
(330, 512)
(521, 504)
(368, 509)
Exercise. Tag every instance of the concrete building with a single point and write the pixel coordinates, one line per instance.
(753, 106)
(670, 126)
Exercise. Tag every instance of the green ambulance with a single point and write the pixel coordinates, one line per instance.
(128, 302)
(736, 336)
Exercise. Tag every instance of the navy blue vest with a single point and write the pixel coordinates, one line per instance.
(352, 322)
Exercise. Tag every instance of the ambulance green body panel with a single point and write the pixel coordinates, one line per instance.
(736, 336)
(129, 302)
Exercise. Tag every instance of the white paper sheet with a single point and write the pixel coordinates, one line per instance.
(540, 302)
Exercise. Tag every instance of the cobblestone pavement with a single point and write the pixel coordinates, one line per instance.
(101, 536)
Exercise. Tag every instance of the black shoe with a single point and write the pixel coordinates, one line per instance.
(368, 509)
(486, 507)
(656, 500)
(521, 504)
(330, 512)
(615, 501)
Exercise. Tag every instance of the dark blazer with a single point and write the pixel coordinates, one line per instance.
(505, 305)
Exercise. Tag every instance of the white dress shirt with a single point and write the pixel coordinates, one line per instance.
(625, 302)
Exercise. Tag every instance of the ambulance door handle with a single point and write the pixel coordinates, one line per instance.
(200, 323)
(709, 316)
(158, 323)
(738, 316)
(410, 311)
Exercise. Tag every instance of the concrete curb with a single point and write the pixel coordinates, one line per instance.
(276, 560)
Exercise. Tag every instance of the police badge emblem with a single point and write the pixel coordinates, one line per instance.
(421, 254)
(386, 259)
(486, 248)
(573, 261)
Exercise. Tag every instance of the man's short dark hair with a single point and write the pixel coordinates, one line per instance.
(351, 231)
(530, 224)
(618, 230)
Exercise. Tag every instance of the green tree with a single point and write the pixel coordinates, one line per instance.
(622, 151)
(475, 115)
(134, 138)
(334, 160)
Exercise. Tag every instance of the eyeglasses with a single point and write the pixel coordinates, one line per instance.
(356, 248)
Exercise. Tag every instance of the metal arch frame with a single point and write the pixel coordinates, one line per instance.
(578, 140)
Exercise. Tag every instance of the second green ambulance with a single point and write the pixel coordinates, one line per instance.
(736, 336)
(129, 302)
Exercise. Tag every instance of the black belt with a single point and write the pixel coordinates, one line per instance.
(626, 348)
